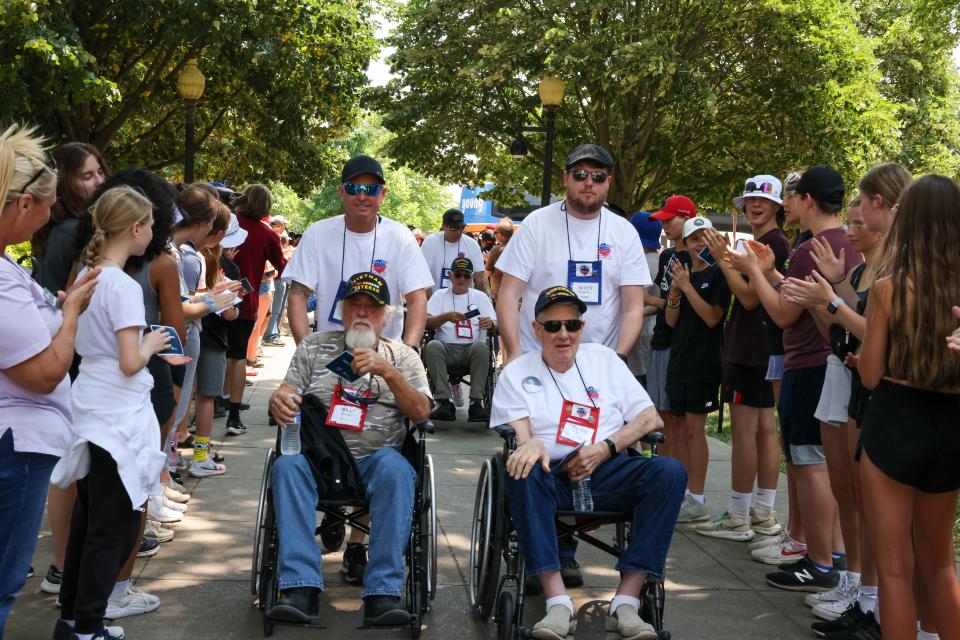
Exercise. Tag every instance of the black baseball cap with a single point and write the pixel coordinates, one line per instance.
(557, 295)
(822, 183)
(453, 218)
(370, 284)
(592, 152)
(360, 165)
(461, 264)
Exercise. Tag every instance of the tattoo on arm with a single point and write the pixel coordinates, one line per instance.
(298, 289)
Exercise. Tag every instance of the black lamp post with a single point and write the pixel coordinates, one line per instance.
(190, 84)
(551, 95)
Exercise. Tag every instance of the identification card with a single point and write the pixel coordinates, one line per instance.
(465, 329)
(176, 347)
(445, 280)
(341, 366)
(578, 424)
(344, 414)
(336, 312)
(586, 280)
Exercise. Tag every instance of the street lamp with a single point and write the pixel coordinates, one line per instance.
(551, 95)
(190, 84)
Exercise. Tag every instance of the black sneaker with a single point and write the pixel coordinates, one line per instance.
(299, 605)
(477, 412)
(187, 442)
(866, 629)
(332, 538)
(148, 547)
(51, 583)
(445, 411)
(354, 562)
(803, 575)
(570, 572)
(63, 631)
(219, 411)
(30, 572)
(384, 611)
(852, 617)
(236, 427)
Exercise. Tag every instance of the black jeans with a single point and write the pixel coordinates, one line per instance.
(103, 531)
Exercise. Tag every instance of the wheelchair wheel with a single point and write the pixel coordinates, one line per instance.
(428, 529)
(258, 532)
(505, 617)
(486, 540)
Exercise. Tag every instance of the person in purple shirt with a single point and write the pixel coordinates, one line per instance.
(38, 338)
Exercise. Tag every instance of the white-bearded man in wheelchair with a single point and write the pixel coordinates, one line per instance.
(371, 414)
(556, 398)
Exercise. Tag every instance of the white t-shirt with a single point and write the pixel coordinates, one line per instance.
(444, 300)
(117, 303)
(525, 389)
(538, 255)
(328, 254)
(439, 254)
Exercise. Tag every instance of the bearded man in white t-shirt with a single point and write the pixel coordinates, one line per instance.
(439, 249)
(360, 240)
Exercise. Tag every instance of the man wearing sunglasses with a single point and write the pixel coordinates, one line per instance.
(580, 243)
(461, 319)
(440, 248)
(369, 413)
(565, 395)
(360, 240)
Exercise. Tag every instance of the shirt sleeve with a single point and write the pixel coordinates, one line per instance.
(634, 269)
(25, 334)
(124, 305)
(305, 261)
(414, 273)
(413, 372)
(519, 256)
(192, 266)
(508, 402)
(434, 304)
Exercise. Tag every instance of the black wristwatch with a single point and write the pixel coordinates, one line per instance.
(613, 447)
(835, 304)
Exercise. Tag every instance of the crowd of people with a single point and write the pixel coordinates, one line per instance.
(834, 314)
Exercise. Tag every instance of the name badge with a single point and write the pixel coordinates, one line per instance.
(344, 414)
(445, 280)
(465, 329)
(586, 280)
(578, 424)
(336, 312)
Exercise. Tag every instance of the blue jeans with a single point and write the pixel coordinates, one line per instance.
(24, 478)
(652, 488)
(279, 301)
(389, 482)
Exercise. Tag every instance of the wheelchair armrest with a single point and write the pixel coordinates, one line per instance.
(505, 431)
(425, 427)
(654, 437)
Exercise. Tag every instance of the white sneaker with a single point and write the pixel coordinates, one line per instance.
(176, 506)
(174, 495)
(173, 484)
(206, 468)
(787, 551)
(727, 527)
(766, 541)
(692, 511)
(159, 511)
(626, 622)
(769, 526)
(154, 530)
(130, 603)
(558, 624)
(830, 605)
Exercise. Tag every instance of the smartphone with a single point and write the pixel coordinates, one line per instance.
(706, 256)
(176, 347)
(741, 246)
(473, 313)
(247, 287)
(341, 366)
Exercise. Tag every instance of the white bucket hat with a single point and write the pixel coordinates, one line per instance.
(762, 186)
(235, 234)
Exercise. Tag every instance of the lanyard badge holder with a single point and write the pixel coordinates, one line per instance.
(445, 280)
(336, 311)
(579, 423)
(348, 409)
(465, 329)
(585, 277)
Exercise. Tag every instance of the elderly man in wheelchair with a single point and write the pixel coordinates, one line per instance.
(569, 395)
(390, 386)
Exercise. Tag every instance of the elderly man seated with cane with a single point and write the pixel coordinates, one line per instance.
(368, 415)
(568, 395)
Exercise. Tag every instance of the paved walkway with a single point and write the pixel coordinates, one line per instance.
(714, 590)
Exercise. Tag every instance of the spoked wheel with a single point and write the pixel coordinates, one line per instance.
(261, 524)
(267, 588)
(416, 582)
(505, 615)
(486, 541)
(429, 529)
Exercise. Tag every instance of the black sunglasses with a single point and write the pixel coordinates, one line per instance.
(580, 175)
(49, 164)
(462, 274)
(553, 326)
(371, 190)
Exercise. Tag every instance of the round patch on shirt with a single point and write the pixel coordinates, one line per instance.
(532, 384)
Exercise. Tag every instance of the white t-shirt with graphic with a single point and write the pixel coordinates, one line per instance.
(526, 389)
(328, 253)
(439, 254)
(538, 254)
(444, 300)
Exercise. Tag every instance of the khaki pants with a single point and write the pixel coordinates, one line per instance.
(440, 355)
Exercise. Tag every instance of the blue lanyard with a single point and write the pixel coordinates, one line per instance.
(343, 245)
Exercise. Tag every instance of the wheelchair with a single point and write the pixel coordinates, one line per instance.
(420, 555)
(496, 571)
(458, 375)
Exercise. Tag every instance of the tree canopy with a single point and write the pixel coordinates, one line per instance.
(689, 95)
(282, 78)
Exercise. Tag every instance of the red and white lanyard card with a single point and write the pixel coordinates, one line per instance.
(578, 424)
(344, 414)
(465, 329)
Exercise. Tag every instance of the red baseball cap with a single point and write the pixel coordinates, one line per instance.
(676, 206)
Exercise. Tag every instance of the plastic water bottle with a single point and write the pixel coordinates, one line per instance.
(290, 437)
(582, 497)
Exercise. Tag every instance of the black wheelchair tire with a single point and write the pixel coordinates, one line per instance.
(257, 558)
(506, 627)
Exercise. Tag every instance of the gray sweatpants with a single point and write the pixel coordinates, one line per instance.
(440, 355)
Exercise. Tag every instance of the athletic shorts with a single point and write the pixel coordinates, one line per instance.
(859, 398)
(835, 395)
(161, 396)
(747, 386)
(799, 397)
(177, 374)
(211, 370)
(657, 362)
(238, 335)
(913, 436)
(693, 398)
(775, 368)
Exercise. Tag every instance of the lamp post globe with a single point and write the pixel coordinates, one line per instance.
(551, 95)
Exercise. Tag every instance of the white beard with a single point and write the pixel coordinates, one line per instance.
(360, 337)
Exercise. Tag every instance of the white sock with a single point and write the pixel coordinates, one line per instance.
(740, 505)
(868, 598)
(563, 600)
(120, 587)
(686, 493)
(698, 498)
(764, 503)
(926, 635)
(618, 600)
(83, 636)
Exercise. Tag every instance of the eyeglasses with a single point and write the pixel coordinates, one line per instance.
(599, 177)
(364, 396)
(553, 326)
(462, 274)
(762, 187)
(371, 190)
(49, 164)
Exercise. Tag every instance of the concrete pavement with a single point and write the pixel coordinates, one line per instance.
(714, 589)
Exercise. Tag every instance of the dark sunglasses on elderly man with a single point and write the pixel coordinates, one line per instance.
(49, 164)
(553, 326)
(599, 177)
(462, 274)
(371, 190)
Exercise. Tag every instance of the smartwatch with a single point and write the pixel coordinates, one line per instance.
(612, 447)
(835, 304)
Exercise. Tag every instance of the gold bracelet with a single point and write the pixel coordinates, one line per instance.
(673, 304)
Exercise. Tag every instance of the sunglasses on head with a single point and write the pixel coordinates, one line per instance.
(364, 396)
(49, 164)
(553, 326)
(371, 190)
(580, 175)
(462, 274)
(761, 187)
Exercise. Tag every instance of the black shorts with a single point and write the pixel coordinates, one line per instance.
(913, 436)
(859, 398)
(799, 398)
(747, 386)
(693, 397)
(238, 335)
(161, 396)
